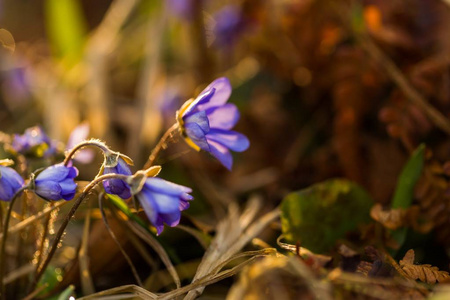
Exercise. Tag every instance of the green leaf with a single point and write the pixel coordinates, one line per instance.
(122, 206)
(50, 279)
(323, 213)
(411, 172)
(404, 190)
(66, 28)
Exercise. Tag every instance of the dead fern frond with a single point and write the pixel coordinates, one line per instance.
(433, 198)
(425, 273)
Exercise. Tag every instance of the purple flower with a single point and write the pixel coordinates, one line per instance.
(117, 186)
(229, 24)
(56, 182)
(78, 135)
(163, 201)
(205, 123)
(10, 183)
(181, 8)
(34, 141)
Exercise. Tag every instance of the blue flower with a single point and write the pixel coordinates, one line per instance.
(229, 24)
(34, 141)
(78, 135)
(117, 186)
(163, 201)
(10, 183)
(181, 8)
(56, 182)
(206, 123)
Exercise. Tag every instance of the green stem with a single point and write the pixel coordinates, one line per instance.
(59, 234)
(162, 142)
(3, 241)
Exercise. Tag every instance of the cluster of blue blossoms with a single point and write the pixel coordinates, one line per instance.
(205, 124)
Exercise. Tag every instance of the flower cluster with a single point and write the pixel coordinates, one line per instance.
(34, 141)
(205, 123)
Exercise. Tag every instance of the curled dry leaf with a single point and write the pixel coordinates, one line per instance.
(399, 217)
(425, 273)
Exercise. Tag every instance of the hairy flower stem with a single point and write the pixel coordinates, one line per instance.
(3, 241)
(59, 234)
(94, 143)
(161, 145)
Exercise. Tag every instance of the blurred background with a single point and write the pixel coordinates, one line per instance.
(325, 89)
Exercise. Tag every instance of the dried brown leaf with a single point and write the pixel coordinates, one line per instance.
(389, 218)
(425, 273)
(400, 217)
(364, 268)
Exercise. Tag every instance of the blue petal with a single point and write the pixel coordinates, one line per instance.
(68, 196)
(73, 172)
(204, 97)
(159, 225)
(54, 173)
(6, 191)
(165, 187)
(122, 167)
(223, 117)
(171, 219)
(117, 187)
(183, 205)
(223, 91)
(186, 197)
(12, 177)
(222, 154)
(231, 139)
(125, 194)
(49, 190)
(200, 119)
(196, 134)
(68, 185)
(148, 204)
(166, 203)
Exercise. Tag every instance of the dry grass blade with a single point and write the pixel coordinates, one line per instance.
(21, 225)
(87, 284)
(148, 120)
(150, 240)
(425, 273)
(207, 280)
(195, 233)
(103, 41)
(233, 233)
(126, 290)
(262, 252)
(19, 272)
(113, 236)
